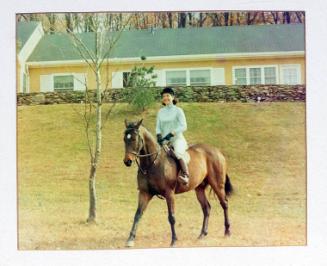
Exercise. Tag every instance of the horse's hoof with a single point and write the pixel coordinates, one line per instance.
(173, 244)
(202, 235)
(130, 244)
(227, 233)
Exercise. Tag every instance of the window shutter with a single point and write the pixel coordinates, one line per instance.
(117, 80)
(46, 83)
(79, 81)
(218, 76)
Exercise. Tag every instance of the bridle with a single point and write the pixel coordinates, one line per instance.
(138, 155)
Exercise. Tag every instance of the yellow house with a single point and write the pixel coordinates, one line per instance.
(241, 55)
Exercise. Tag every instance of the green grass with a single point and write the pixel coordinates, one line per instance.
(265, 149)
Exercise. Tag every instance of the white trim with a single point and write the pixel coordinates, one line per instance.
(26, 51)
(298, 72)
(247, 68)
(172, 58)
(31, 43)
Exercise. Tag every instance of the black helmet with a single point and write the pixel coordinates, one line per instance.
(168, 90)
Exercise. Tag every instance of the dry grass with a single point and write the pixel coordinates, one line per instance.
(264, 145)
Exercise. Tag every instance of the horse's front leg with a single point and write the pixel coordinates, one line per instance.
(171, 215)
(144, 199)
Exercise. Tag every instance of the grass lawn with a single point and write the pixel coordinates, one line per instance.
(265, 149)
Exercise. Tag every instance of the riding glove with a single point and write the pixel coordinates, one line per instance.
(169, 136)
(160, 140)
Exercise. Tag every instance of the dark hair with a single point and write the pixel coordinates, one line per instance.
(171, 92)
(168, 90)
(175, 101)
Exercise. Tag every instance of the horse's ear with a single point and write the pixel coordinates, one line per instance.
(139, 123)
(126, 123)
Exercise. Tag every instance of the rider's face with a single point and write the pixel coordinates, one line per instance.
(167, 98)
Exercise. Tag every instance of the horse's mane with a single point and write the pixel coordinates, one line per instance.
(147, 133)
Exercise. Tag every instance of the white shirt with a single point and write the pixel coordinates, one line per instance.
(171, 118)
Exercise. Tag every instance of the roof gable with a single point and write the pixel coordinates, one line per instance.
(24, 31)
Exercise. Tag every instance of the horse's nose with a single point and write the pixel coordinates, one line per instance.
(128, 162)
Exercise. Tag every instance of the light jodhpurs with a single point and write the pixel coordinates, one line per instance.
(180, 146)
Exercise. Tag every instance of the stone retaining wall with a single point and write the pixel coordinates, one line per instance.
(248, 93)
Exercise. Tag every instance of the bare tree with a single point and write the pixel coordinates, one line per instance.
(286, 17)
(251, 19)
(52, 21)
(300, 16)
(69, 21)
(182, 20)
(170, 19)
(96, 59)
(226, 18)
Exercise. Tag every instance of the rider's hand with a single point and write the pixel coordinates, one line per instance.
(160, 140)
(169, 136)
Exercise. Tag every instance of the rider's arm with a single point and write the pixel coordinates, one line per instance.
(181, 122)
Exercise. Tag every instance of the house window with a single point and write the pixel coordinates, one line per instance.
(65, 82)
(176, 78)
(240, 76)
(255, 75)
(270, 75)
(290, 74)
(200, 77)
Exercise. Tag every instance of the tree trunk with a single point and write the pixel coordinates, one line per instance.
(275, 16)
(226, 18)
(98, 142)
(182, 20)
(170, 19)
(69, 22)
(299, 16)
(98, 131)
(201, 20)
(190, 19)
(52, 20)
(287, 18)
(92, 193)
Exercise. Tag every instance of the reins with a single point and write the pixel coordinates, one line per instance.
(137, 155)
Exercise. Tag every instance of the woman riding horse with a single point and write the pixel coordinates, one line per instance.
(171, 124)
(158, 173)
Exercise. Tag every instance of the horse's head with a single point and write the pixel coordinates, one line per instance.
(133, 141)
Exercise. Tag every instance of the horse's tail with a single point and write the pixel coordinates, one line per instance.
(228, 186)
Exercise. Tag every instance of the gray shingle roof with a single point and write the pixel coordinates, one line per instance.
(24, 31)
(185, 41)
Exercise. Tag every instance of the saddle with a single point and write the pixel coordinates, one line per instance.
(169, 149)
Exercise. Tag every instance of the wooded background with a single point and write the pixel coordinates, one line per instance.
(83, 22)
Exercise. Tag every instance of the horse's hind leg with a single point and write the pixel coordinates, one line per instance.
(205, 205)
(219, 189)
(144, 199)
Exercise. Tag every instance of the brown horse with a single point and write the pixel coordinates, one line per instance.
(157, 175)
